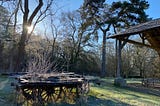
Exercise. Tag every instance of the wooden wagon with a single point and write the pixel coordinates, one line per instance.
(52, 87)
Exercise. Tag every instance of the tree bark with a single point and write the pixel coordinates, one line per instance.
(103, 65)
(1, 53)
(27, 21)
(159, 54)
(103, 70)
(21, 46)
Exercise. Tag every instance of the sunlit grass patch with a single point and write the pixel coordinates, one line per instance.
(134, 80)
(123, 95)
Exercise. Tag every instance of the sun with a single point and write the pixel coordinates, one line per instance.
(30, 28)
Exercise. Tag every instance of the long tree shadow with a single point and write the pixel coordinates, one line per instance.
(127, 94)
(94, 101)
(130, 88)
(143, 90)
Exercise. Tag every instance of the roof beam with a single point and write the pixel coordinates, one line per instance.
(137, 43)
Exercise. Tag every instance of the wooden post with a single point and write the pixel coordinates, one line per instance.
(103, 65)
(119, 62)
(116, 55)
(119, 81)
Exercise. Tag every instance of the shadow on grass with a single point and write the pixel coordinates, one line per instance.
(124, 94)
(144, 90)
(93, 101)
(109, 82)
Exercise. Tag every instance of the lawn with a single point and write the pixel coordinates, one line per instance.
(7, 93)
(109, 95)
(105, 94)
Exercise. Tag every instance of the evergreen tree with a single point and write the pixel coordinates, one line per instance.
(100, 15)
(129, 13)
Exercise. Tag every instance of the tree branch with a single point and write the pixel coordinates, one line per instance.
(26, 12)
(35, 12)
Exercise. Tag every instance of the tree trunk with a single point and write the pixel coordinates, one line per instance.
(21, 52)
(1, 54)
(142, 73)
(11, 57)
(159, 54)
(27, 21)
(103, 68)
(21, 46)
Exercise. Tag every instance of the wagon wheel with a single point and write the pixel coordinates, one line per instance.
(72, 95)
(20, 99)
(50, 94)
(29, 93)
(85, 87)
(69, 94)
(39, 95)
(82, 90)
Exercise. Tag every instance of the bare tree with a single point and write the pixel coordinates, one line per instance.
(76, 38)
(40, 64)
(27, 22)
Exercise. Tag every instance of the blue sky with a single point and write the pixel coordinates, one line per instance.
(153, 10)
(70, 5)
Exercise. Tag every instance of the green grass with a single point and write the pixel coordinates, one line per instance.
(122, 96)
(104, 95)
(7, 94)
(134, 80)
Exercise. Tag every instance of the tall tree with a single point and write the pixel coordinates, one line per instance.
(27, 22)
(127, 13)
(98, 14)
(77, 37)
(4, 17)
(119, 14)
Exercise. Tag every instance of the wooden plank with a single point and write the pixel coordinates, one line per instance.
(54, 79)
(137, 43)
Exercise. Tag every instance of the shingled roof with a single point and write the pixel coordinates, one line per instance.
(150, 31)
(139, 28)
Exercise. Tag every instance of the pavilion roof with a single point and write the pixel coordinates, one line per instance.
(139, 28)
(149, 31)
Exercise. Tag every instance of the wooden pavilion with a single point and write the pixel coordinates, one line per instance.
(149, 32)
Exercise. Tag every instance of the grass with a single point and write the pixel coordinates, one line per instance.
(122, 96)
(7, 94)
(104, 95)
(134, 80)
